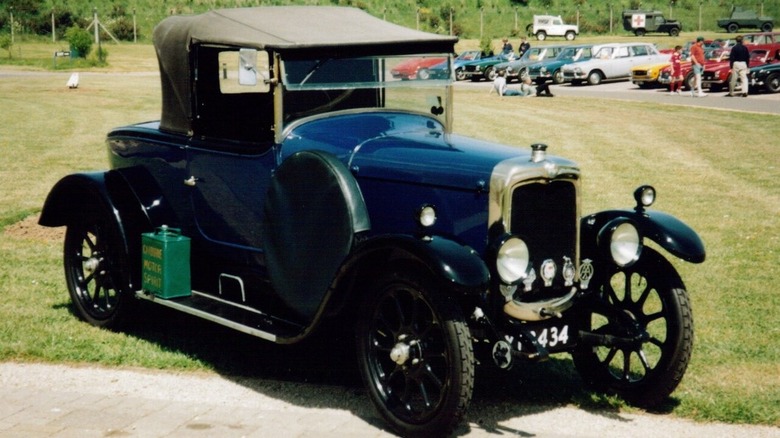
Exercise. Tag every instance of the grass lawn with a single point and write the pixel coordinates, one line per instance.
(717, 170)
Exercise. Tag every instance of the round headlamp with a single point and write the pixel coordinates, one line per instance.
(512, 260)
(644, 196)
(621, 239)
(426, 216)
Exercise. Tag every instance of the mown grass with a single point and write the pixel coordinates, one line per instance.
(715, 169)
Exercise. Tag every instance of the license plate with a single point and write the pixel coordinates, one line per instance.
(553, 337)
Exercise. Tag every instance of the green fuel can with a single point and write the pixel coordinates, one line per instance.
(165, 259)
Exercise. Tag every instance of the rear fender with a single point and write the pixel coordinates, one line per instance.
(664, 229)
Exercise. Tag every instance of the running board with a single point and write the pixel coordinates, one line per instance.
(235, 316)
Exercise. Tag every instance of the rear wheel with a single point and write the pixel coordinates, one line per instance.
(674, 32)
(95, 261)
(415, 356)
(639, 32)
(570, 36)
(646, 370)
(766, 27)
(732, 27)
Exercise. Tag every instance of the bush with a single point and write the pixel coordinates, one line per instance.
(5, 43)
(80, 41)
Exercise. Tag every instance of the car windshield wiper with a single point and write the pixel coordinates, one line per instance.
(314, 69)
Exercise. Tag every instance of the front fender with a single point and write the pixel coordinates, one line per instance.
(454, 264)
(664, 229)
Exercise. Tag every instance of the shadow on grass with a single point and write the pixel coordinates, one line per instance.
(322, 372)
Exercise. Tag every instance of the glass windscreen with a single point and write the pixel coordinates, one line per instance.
(414, 83)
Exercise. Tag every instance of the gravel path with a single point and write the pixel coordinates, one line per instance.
(62, 401)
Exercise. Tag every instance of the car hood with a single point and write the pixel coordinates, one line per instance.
(404, 147)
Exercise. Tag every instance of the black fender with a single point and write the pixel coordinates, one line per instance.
(76, 197)
(459, 269)
(662, 228)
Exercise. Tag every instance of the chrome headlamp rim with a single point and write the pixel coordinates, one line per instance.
(512, 259)
(620, 240)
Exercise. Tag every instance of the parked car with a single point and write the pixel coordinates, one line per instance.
(484, 68)
(716, 77)
(714, 54)
(416, 68)
(544, 26)
(612, 62)
(741, 18)
(646, 75)
(549, 69)
(765, 78)
(514, 69)
(293, 187)
(641, 22)
(442, 69)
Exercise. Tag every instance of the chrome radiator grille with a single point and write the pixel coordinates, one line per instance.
(545, 216)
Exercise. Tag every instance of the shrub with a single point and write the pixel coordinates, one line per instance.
(80, 40)
(5, 43)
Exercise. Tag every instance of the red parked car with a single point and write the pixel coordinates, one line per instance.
(717, 76)
(416, 68)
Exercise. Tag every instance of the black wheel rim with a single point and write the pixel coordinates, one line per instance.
(89, 271)
(639, 297)
(407, 353)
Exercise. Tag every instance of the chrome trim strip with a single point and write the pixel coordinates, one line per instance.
(208, 316)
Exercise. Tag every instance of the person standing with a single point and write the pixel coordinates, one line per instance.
(524, 46)
(507, 48)
(697, 60)
(676, 79)
(739, 59)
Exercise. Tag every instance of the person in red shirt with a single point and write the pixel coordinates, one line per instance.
(697, 59)
(676, 79)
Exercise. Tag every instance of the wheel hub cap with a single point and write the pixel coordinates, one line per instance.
(400, 353)
(91, 265)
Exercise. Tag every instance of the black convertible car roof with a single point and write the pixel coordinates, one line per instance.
(293, 31)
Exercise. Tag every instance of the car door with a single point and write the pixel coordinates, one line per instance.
(620, 65)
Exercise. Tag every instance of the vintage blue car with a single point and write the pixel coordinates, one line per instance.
(292, 183)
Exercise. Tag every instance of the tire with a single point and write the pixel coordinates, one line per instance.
(94, 259)
(732, 28)
(541, 35)
(594, 78)
(570, 36)
(689, 80)
(766, 27)
(529, 30)
(772, 84)
(490, 73)
(674, 32)
(557, 77)
(653, 295)
(423, 74)
(639, 32)
(460, 74)
(415, 356)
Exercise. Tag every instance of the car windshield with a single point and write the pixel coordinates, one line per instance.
(571, 53)
(420, 83)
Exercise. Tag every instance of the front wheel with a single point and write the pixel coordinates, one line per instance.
(95, 271)
(594, 78)
(557, 77)
(645, 371)
(773, 83)
(460, 74)
(674, 32)
(732, 28)
(541, 35)
(415, 356)
(491, 74)
(766, 27)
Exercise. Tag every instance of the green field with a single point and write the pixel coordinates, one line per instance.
(717, 170)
